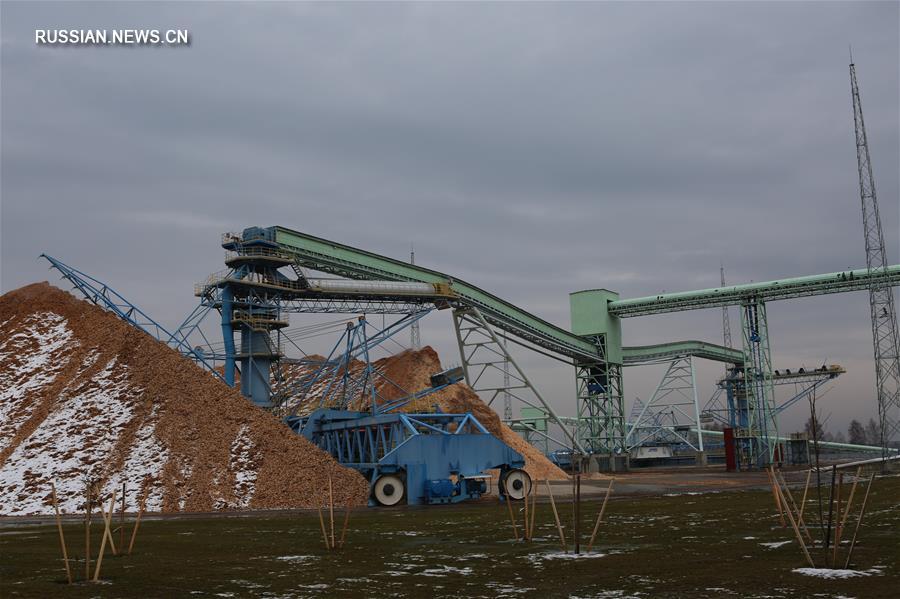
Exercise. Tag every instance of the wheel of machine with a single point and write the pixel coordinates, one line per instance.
(516, 484)
(388, 489)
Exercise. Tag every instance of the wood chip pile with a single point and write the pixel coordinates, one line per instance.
(82, 391)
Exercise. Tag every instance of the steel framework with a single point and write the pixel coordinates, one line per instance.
(104, 296)
(338, 383)
(601, 405)
(671, 411)
(756, 432)
(806, 382)
(415, 336)
(881, 296)
(485, 359)
(726, 322)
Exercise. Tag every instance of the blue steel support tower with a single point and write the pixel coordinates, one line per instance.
(251, 300)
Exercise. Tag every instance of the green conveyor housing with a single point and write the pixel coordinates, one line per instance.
(345, 261)
(663, 352)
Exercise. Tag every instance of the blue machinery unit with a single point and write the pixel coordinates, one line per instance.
(426, 458)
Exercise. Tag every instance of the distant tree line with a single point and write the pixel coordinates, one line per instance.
(857, 433)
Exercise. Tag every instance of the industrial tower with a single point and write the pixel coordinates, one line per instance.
(726, 323)
(415, 336)
(881, 297)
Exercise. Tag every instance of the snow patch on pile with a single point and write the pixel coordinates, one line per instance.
(79, 434)
(242, 464)
(142, 468)
(35, 362)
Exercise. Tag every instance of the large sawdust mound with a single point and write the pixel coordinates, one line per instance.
(411, 371)
(82, 391)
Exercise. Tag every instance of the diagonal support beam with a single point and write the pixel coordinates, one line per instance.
(484, 355)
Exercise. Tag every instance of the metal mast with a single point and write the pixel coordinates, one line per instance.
(415, 339)
(507, 398)
(881, 297)
(726, 324)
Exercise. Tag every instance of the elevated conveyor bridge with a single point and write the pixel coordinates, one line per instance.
(593, 345)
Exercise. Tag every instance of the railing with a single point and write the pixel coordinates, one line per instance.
(223, 276)
(260, 322)
(258, 252)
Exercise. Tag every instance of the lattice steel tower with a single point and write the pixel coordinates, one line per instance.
(726, 323)
(881, 297)
(415, 339)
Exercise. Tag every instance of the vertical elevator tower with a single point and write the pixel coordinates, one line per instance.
(252, 296)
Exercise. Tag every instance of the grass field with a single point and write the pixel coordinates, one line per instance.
(703, 545)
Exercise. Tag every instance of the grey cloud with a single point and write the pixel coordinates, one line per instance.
(533, 149)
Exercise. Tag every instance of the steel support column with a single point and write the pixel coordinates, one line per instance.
(601, 407)
(757, 430)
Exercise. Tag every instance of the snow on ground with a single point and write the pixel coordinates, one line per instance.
(81, 431)
(242, 465)
(775, 545)
(537, 558)
(829, 573)
(32, 359)
(444, 571)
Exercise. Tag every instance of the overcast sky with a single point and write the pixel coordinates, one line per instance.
(532, 149)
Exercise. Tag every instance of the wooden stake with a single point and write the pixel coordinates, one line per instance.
(331, 508)
(791, 504)
(87, 529)
(574, 508)
(837, 523)
(830, 510)
(805, 489)
(850, 499)
(562, 537)
(600, 515)
(108, 520)
(576, 529)
(770, 472)
(62, 539)
(839, 531)
(137, 522)
(511, 517)
(106, 533)
(799, 537)
(533, 509)
(862, 512)
(122, 520)
(322, 524)
(344, 528)
(527, 527)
